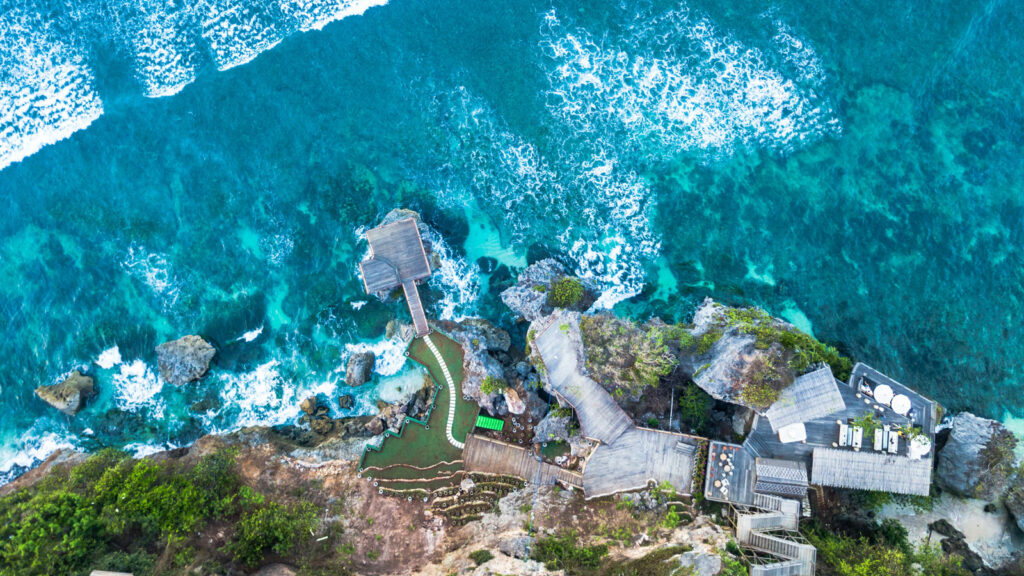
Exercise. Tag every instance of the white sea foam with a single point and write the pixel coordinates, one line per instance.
(47, 92)
(315, 14)
(165, 59)
(680, 80)
(358, 304)
(138, 388)
(154, 270)
(251, 335)
(109, 358)
(34, 446)
(581, 200)
(141, 449)
(261, 397)
(390, 354)
(457, 279)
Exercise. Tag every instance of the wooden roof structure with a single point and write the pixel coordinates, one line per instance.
(809, 397)
(397, 258)
(871, 471)
(787, 478)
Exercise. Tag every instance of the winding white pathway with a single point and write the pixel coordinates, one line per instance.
(451, 393)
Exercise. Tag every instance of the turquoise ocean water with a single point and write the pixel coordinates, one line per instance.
(177, 167)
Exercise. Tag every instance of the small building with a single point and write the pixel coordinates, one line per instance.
(398, 258)
(809, 397)
(786, 478)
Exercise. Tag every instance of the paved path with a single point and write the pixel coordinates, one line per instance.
(451, 393)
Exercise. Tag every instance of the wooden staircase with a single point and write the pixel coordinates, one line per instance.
(764, 530)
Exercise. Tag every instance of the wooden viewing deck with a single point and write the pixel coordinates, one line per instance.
(496, 457)
(398, 258)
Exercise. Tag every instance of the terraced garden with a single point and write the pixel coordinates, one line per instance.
(420, 458)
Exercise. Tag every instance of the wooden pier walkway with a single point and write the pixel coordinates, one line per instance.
(412, 297)
(496, 457)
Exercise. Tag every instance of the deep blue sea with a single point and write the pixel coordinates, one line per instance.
(171, 167)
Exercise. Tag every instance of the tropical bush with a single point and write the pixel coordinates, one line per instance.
(695, 408)
(564, 552)
(481, 556)
(116, 513)
(492, 385)
(565, 293)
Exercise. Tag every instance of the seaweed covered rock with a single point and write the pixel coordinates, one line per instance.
(977, 460)
(359, 368)
(70, 395)
(185, 359)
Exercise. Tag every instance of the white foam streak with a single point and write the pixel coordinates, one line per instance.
(457, 279)
(32, 447)
(109, 358)
(46, 91)
(138, 388)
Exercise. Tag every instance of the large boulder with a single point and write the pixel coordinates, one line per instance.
(69, 396)
(701, 564)
(977, 460)
(516, 405)
(553, 428)
(528, 298)
(185, 359)
(516, 547)
(359, 368)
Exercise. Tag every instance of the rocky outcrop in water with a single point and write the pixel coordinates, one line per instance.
(185, 359)
(530, 297)
(359, 369)
(978, 460)
(70, 395)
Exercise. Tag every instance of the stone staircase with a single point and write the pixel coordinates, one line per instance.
(763, 530)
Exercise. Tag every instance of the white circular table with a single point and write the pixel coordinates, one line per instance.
(884, 394)
(901, 404)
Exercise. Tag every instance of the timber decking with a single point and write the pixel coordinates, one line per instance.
(397, 258)
(600, 417)
(497, 457)
(412, 298)
(628, 457)
(398, 245)
(639, 456)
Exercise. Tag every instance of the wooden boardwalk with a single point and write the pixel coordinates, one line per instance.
(600, 417)
(496, 457)
(628, 457)
(412, 297)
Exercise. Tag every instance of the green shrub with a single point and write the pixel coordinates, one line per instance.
(492, 385)
(695, 407)
(269, 526)
(707, 340)
(565, 293)
(759, 395)
(563, 552)
(481, 556)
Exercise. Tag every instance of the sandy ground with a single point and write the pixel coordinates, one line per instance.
(992, 535)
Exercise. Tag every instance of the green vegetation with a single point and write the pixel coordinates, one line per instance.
(622, 355)
(886, 552)
(766, 376)
(656, 563)
(492, 385)
(708, 340)
(565, 293)
(113, 512)
(480, 557)
(804, 351)
(732, 566)
(997, 462)
(695, 408)
(563, 552)
(868, 423)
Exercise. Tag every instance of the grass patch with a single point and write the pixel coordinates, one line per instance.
(415, 445)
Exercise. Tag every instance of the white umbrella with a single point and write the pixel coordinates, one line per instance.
(901, 404)
(883, 394)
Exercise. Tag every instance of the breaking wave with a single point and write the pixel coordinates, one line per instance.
(137, 388)
(48, 88)
(679, 81)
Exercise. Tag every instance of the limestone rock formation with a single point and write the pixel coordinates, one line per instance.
(185, 359)
(515, 404)
(977, 460)
(68, 396)
(1014, 500)
(346, 401)
(359, 368)
(528, 298)
(553, 428)
(516, 547)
